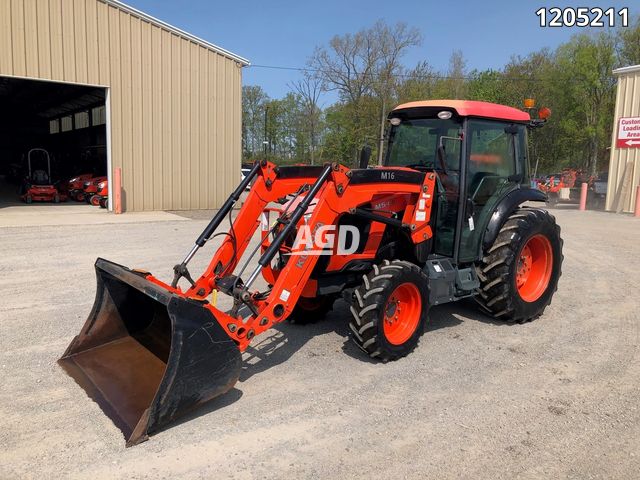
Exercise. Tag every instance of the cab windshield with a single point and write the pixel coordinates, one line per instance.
(414, 143)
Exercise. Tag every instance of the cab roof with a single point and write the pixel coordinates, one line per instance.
(470, 108)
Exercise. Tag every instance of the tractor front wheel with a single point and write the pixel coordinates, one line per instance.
(389, 310)
(519, 272)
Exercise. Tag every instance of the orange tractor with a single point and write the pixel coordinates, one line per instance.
(440, 221)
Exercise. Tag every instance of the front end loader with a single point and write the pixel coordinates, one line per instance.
(441, 220)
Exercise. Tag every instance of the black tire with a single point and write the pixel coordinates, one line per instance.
(56, 198)
(103, 202)
(499, 295)
(28, 199)
(311, 310)
(370, 305)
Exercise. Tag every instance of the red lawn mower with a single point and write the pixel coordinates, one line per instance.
(75, 186)
(90, 187)
(101, 198)
(38, 185)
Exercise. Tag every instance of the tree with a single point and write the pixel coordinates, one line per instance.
(584, 67)
(391, 45)
(628, 44)
(488, 86)
(309, 89)
(417, 83)
(254, 100)
(363, 66)
(456, 82)
(366, 70)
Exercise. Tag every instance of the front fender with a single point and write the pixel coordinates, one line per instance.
(506, 207)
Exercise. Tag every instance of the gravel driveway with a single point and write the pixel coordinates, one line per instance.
(556, 398)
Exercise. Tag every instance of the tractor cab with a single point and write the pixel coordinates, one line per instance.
(478, 151)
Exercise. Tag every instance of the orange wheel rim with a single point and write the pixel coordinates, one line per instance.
(401, 314)
(533, 271)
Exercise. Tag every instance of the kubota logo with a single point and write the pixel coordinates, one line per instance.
(326, 240)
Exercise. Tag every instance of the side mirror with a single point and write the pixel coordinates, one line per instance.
(365, 155)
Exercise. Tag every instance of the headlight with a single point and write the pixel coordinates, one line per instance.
(101, 185)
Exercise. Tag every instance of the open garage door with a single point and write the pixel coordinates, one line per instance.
(53, 145)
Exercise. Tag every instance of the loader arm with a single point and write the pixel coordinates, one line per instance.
(269, 186)
(149, 351)
(341, 191)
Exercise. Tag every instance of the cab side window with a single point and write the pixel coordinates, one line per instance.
(492, 150)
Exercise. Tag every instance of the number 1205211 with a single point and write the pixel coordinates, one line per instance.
(583, 17)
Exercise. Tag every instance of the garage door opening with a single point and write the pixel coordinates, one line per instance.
(50, 134)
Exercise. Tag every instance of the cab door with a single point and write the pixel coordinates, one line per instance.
(495, 165)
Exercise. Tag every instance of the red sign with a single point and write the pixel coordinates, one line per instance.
(628, 132)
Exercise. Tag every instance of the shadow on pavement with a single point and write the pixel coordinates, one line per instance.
(286, 339)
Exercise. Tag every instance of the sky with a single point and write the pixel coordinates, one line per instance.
(285, 33)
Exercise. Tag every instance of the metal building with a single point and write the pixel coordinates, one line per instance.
(625, 143)
(171, 102)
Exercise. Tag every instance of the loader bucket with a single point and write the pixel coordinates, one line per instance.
(147, 355)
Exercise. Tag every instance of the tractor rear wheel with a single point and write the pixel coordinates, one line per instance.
(519, 272)
(311, 310)
(389, 310)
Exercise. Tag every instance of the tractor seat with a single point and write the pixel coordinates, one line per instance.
(40, 177)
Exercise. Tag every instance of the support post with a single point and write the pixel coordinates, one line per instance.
(636, 213)
(583, 196)
(117, 190)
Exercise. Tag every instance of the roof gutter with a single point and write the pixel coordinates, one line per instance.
(187, 36)
(625, 70)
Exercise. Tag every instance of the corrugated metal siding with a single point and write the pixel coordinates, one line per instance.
(627, 105)
(175, 104)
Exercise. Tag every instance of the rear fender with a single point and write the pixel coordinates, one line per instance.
(510, 202)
